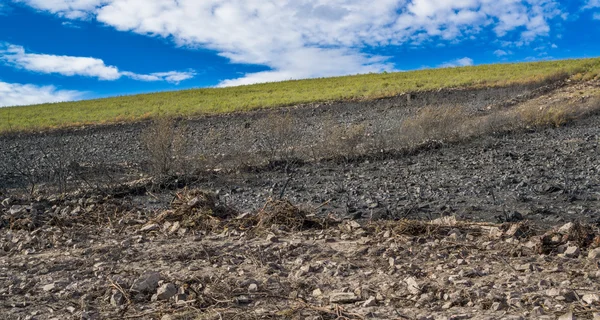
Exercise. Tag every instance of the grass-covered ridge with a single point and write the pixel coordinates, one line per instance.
(243, 98)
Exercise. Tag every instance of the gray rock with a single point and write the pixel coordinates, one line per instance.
(147, 282)
(150, 227)
(166, 291)
(181, 298)
(594, 254)
(572, 252)
(371, 302)
(253, 287)
(567, 316)
(49, 287)
(498, 306)
(342, 297)
(117, 299)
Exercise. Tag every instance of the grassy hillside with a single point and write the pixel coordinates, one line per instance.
(222, 100)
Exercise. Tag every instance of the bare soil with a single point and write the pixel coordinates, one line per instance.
(500, 226)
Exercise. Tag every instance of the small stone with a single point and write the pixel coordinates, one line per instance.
(253, 287)
(342, 297)
(387, 234)
(524, 267)
(572, 252)
(117, 299)
(49, 287)
(594, 254)
(412, 285)
(537, 311)
(150, 227)
(272, 238)
(174, 227)
(447, 305)
(181, 298)
(76, 211)
(498, 306)
(566, 228)
(306, 268)
(567, 316)
(495, 233)
(166, 291)
(147, 282)
(553, 292)
(517, 230)
(371, 302)
(460, 317)
(317, 293)
(71, 309)
(590, 298)
(392, 262)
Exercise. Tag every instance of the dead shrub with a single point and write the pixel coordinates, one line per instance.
(165, 144)
(433, 124)
(340, 140)
(195, 209)
(278, 136)
(283, 214)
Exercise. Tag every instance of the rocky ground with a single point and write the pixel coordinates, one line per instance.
(102, 258)
(496, 226)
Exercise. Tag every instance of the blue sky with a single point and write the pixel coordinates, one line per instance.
(60, 50)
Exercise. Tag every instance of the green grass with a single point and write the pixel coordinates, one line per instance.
(223, 100)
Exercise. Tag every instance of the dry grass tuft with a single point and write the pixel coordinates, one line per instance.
(433, 124)
(283, 214)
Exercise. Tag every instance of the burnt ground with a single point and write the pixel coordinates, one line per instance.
(361, 246)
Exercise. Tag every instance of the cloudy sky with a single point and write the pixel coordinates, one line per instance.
(59, 50)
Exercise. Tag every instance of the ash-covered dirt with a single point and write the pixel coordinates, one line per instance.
(499, 226)
(119, 149)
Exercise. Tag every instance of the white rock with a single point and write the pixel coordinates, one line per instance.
(49, 287)
(412, 285)
(317, 292)
(566, 228)
(567, 316)
(590, 298)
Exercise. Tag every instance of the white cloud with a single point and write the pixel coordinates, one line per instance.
(590, 4)
(596, 16)
(171, 76)
(16, 56)
(333, 33)
(462, 62)
(502, 53)
(15, 94)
